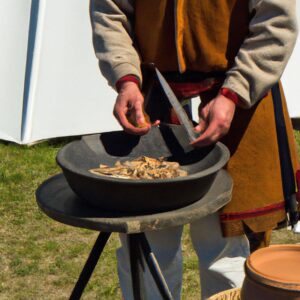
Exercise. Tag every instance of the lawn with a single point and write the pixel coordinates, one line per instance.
(40, 258)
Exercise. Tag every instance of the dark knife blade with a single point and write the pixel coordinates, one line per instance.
(179, 110)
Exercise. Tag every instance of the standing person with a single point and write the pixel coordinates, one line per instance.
(230, 53)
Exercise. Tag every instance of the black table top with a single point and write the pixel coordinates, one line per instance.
(58, 201)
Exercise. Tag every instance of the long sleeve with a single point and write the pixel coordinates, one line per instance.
(264, 54)
(113, 39)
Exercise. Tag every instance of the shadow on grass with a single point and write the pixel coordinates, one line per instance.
(55, 142)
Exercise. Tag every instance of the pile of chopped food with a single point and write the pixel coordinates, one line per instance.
(142, 168)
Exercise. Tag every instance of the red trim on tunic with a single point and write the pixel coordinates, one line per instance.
(173, 117)
(298, 185)
(230, 95)
(252, 213)
(185, 90)
(126, 78)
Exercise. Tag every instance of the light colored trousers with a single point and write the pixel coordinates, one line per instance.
(221, 260)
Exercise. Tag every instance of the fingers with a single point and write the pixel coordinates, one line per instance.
(214, 132)
(128, 109)
(120, 114)
(129, 112)
(218, 115)
(156, 123)
(138, 113)
(203, 111)
(201, 126)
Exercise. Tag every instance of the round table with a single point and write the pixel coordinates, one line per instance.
(56, 199)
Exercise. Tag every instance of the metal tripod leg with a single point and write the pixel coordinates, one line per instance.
(154, 268)
(136, 266)
(138, 246)
(90, 265)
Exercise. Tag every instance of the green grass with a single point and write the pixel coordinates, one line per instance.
(41, 258)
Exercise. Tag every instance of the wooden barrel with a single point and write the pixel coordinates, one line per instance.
(273, 273)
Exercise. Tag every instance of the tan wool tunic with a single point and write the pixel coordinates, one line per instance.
(208, 37)
(240, 39)
(257, 198)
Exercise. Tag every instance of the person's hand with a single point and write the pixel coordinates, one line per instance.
(128, 109)
(215, 120)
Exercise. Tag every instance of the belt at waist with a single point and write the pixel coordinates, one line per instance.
(191, 84)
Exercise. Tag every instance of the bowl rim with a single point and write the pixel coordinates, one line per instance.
(65, 165)
(261, 277)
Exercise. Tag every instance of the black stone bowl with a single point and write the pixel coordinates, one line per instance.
(140, 196)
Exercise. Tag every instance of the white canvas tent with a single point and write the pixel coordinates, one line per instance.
(291, 78)
(50, 82)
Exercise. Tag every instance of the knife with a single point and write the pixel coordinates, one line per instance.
(179, 110)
